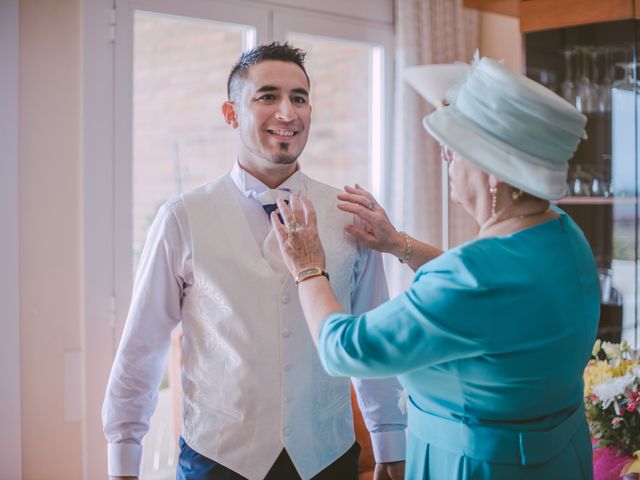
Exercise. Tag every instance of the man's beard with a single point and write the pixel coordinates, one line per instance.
(283, 157)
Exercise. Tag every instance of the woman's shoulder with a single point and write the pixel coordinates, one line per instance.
(464, 262)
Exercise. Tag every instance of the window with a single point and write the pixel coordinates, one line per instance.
(180, 139)
(153, 128)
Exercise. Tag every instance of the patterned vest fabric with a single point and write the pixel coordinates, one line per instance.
(252, 378)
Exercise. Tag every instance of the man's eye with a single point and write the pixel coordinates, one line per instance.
(299, 100)
(268, 97)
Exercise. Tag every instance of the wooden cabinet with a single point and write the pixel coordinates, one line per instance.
(503, 7)
(536, 15)
(547, 14)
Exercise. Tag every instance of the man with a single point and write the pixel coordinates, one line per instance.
(257, 402)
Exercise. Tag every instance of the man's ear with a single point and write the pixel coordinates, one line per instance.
(229, 112)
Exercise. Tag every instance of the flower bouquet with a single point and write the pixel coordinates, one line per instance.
(612, 404)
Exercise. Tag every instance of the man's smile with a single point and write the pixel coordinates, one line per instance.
(282, 132)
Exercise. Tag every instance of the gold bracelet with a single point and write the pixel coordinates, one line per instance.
(310, 272)
(409, 248)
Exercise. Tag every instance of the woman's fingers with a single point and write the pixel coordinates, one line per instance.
(281, 232)
(356, 198)
(362, 212)
(361, 235)
(295, 203)
(286, 212)
(358, 189)
(309, 212)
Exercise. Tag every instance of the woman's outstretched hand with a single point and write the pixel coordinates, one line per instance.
(298, 238)
(375, 229)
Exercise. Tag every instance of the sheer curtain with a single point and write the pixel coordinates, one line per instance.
(427, 31)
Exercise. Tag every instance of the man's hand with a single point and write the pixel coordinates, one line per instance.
(389, 471)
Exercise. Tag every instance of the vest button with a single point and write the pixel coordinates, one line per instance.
(284, 298)
(286, 432)
(286, 367)
(286, 333)
(287, 399)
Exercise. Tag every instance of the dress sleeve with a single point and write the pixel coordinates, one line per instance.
(444, 316)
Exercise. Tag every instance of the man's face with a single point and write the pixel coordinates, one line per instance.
(273, 113)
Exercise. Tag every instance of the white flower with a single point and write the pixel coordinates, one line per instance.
(624, 346)
(611, 350)
(611, 389)
(596, 347)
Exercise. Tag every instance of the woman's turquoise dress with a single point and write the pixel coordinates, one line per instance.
(490, 342)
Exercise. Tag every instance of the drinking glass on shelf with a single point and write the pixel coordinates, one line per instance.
(628, 82)
(580, 183)
(608, 73)
(586, 94)
(567, 87)
(599, 185)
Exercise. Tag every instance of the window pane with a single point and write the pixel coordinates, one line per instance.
(339, 148)
(180, 139)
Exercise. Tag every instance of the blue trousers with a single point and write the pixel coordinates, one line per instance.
(193, 466)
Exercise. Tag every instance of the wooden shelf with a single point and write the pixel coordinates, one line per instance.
(510, 8)
(597, 201)
(547, 14)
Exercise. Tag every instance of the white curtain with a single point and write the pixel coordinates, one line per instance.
(427, 31)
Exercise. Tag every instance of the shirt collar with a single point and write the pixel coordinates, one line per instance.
(250, 186)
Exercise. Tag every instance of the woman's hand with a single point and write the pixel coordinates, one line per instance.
(376, 230)
(298, 238)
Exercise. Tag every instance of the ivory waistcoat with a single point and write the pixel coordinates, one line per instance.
(251, 375)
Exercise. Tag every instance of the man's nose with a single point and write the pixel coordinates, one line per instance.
(286, 112)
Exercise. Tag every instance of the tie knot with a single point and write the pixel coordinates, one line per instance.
(270, 196)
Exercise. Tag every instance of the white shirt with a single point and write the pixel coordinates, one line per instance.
(164, 277)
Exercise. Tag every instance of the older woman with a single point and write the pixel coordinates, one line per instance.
(491, 339)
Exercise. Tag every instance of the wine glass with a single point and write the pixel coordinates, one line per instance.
(567, 87)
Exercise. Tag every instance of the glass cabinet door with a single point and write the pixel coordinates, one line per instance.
(594, 67)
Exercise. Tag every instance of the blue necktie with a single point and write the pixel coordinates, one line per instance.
(272, 207)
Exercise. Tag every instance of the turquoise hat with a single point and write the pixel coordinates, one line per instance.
(505, 123)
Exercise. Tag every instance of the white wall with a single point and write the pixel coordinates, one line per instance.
(500, 38)
(50, 246)
(11, 438)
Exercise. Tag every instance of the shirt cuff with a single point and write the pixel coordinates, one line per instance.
(124, 459)
(389, 446)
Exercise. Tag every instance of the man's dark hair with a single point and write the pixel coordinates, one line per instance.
(283, 52)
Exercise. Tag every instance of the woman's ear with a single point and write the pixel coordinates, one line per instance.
(229, 112)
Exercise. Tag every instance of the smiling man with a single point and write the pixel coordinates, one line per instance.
(257, 402)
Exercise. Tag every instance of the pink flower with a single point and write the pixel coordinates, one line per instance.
(616, 421)
(631, 406)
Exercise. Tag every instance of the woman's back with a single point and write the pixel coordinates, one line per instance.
(536, 321)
